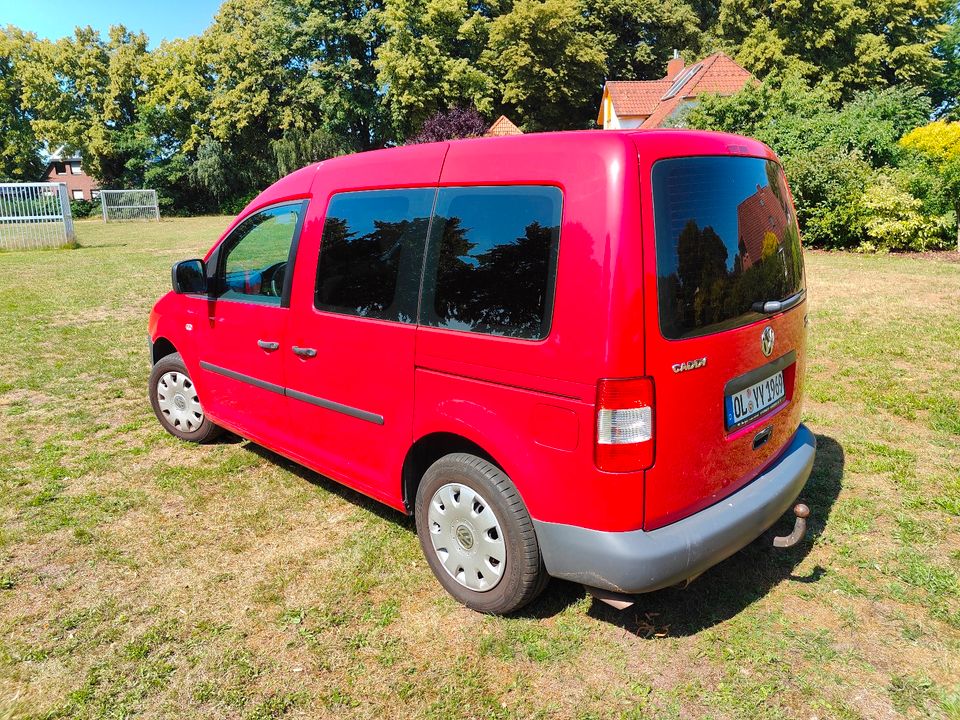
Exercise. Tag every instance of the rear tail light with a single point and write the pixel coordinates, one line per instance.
(624, 425)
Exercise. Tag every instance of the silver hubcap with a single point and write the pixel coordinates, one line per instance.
(467, 537)
(178, 402)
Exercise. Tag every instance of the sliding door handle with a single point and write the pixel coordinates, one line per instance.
(268, 345)
(304, 352)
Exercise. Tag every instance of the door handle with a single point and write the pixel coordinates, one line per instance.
(304, 352)
(267, 345)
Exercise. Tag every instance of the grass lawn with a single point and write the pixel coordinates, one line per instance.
(143, 577)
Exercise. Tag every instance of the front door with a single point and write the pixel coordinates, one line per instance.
(241, 361)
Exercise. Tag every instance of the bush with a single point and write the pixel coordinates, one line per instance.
(234, 205)
(831, 154)
(828, 188)
(451, 125)
(84, 208)
(894, 219)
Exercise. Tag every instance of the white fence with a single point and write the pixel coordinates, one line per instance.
(129, 205)
(34, 215)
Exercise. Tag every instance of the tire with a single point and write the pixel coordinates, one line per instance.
(458, 535)
(175, 402)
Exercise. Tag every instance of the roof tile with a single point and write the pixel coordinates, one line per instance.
(503, 126)
(717, 74)
(636, 97)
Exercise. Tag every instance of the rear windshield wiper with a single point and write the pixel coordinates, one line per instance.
(774, 306)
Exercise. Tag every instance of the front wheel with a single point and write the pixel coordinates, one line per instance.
(176, 403)
(477, 535)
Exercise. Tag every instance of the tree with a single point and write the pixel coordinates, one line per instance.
(179, 87)
(250, 50)
(939, 143)
(297, 149)
(19, 147)
(945, 88)
(338, 42)
(455, 123)
(84, 93)
(429, 61)
(546, 66)
(849, 44)
(637, 35)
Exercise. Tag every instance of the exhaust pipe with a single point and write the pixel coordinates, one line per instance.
(619, 601)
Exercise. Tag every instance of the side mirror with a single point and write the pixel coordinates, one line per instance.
(189, 276)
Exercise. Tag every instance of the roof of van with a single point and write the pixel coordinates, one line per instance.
(668, 142)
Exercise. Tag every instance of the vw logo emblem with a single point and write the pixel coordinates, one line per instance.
(766, 340)
(465, 537)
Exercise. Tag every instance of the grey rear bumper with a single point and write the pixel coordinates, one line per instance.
(637, 561)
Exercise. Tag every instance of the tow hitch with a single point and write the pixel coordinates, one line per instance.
(799, 529)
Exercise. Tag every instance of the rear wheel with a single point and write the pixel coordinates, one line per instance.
(176, 403)
(477, 535)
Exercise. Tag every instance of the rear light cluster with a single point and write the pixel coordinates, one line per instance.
(624, 425)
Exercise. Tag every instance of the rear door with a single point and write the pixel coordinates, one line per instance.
(726, 326)
(350, 354)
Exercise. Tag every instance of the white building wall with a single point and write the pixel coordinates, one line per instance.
(612, 121)
(630, 122)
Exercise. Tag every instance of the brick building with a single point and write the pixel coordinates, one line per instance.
(62, 168)
(759, 214)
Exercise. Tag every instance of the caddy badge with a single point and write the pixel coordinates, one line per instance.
(689, 365)
(766, 340)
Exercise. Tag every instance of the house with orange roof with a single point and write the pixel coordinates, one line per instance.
(648, 103)
(503, 126)
(762, 220)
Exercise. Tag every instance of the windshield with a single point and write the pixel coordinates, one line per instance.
(727, 240)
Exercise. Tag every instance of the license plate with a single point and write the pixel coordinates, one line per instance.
(744, 406)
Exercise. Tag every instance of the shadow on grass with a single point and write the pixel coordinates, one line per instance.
(350, 495)
(719, 594)
(727, 589)
(84, 246)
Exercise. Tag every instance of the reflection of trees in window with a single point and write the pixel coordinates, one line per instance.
(705, 292)
(358, 274)
(702, 269)
(502, 290)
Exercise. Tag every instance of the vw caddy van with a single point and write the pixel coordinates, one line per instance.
(576, 355)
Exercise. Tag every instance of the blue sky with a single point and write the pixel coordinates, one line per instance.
(160, 19)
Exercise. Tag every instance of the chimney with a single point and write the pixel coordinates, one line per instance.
(674, 66)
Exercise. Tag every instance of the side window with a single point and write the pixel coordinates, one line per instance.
(256, 255)
(492, 260)
(371, 253)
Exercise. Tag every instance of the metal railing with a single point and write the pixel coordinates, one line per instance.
(129, 205)
(34, 215)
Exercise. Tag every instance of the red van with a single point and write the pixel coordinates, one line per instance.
(576, 355)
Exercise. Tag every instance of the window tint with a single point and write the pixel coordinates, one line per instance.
(257, 251)
(493, 259)
(727, 241)
(371, 253)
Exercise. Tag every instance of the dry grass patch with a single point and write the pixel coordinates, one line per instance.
(140, 577)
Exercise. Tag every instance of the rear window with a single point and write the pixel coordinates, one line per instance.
(727, 240)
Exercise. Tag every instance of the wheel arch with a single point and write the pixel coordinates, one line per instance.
(426, 451)
(160, 348)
